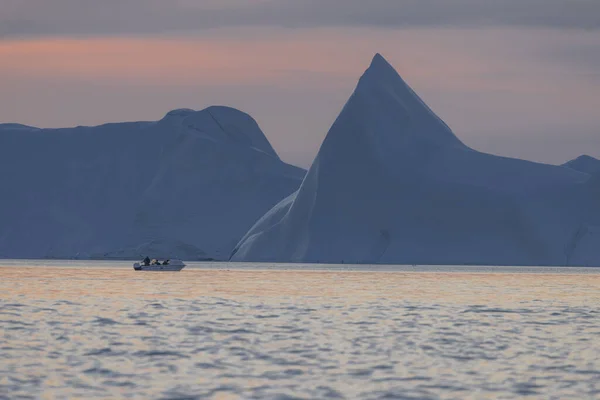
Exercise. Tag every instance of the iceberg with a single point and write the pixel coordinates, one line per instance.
(585, 163)
(187, 186)
(392, 184)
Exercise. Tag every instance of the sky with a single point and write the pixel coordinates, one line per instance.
(519, 78)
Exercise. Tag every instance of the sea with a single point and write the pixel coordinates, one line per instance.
(82, 329)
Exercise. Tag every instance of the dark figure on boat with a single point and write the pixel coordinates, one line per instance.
(147, 261)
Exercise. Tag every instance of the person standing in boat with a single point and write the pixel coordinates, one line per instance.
(147, 261)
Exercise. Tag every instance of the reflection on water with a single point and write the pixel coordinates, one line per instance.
(96, 331)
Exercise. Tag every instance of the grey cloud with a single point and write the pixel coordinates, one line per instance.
(93, 17)
(553, 13)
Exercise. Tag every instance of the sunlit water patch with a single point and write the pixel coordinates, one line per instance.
(93, 331)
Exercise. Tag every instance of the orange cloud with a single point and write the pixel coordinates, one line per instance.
(464, 60)
(255, 56)
(171, 61)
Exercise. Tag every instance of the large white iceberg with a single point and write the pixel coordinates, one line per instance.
(392, 184)
(189, 185)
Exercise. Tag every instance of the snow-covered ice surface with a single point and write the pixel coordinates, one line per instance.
(393, 184)
(188, 186)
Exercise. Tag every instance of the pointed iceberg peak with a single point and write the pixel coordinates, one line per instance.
(385, 100)
(381, 68)
(379, 61)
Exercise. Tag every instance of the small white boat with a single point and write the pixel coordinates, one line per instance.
(157, 265)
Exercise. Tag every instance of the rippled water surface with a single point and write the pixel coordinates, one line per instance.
(96, 330)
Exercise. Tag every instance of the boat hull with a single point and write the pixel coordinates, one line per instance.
(173, 266)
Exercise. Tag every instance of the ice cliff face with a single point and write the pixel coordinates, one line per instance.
(189, 185)
(393, 184)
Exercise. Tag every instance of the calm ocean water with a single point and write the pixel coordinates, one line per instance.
(228, 331)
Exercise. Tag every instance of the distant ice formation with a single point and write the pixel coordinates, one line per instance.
(392, 184)
(189, 186)
(587, 164)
